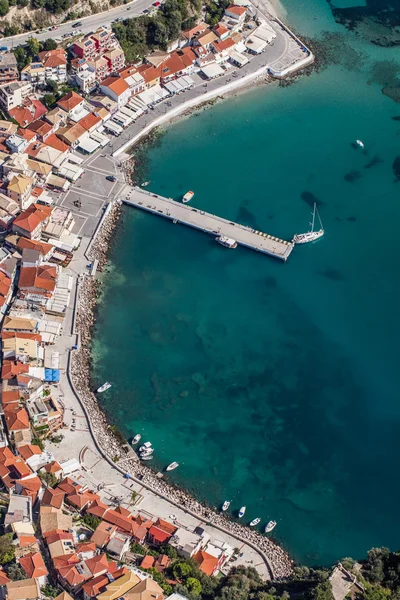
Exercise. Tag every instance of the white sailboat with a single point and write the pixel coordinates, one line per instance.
(312, 235)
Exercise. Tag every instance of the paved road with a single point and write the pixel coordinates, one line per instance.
(91, 23)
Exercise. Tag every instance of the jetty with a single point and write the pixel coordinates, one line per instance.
(212, 224)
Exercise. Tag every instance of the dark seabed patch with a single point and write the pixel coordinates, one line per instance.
(246, 217)
(377, 21)
(372, 163)
(332, 274)
(352, 219)
(352, 176)
(396, 118)
(311, 199)
(392, 92)
(396, 167)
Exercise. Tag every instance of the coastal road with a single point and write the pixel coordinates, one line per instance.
(126, 11)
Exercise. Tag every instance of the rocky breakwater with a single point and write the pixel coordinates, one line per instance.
(278, 560)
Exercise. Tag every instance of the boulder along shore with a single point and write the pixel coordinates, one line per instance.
(80, 366)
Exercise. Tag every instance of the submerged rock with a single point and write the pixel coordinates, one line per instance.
(352, 176)
(396, 167)
(310, 199)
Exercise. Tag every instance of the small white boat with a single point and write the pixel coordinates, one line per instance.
(146, 458)
(136, 439)
(146, 452)
(270, 526)
(254, 522)
(145, 446)
(172, 466)
(226, 241)
(312, 235)
(146, 183)
(226, 505)
(188, 196)
(242, 511)
(360, 143)
(104, 387)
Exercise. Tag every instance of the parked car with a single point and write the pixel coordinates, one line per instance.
(111, 178)
(156, 3)
(77, 24)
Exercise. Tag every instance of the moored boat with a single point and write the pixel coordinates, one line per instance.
(312, 235)
(241, 512)
(360, 143)
(104, 387)
(145, 446)
(146, 452)
(226, 505)
(172, 466)
(146, 458)
(254, 522)
(270, 526)
(136, 439)
(188, 196)
(145, 183)
(227, 242)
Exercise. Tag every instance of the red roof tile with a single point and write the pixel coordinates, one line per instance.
(33, 565)
(31, 218)
(206, 562)
(70, 101)
(43, 278)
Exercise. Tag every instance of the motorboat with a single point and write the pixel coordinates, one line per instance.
(104, 387)
(146, 452)
(312, 235)
(227, 242)
(360, 143)
(270, 526)
(187, 197)
(136, 439)
(226, 505)
(242, 511)
(145, 446)
(172, 466)
(145, 184)
(146, 458)
(254, 522)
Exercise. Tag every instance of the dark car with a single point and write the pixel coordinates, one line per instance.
(111, 178)
(77, 24)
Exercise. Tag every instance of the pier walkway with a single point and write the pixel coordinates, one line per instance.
(194, 217)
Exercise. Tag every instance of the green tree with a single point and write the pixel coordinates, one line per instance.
(10, 30)
(168, 551)
(91, 521)
(375, 565)
(4, 7)
(322, 591)
(49, 478)
(37, 441)
(376, 592)
(50, 591)
(181, 570)
(137, 549)
(15, 572)
(49, 100)
(21, 57)
(7, 549)
(32, 46)
(193, 585)
(49, 44)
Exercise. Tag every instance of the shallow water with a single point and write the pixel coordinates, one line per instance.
(274, 385)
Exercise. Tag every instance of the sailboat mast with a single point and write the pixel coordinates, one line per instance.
(313, 217)
(320, 222)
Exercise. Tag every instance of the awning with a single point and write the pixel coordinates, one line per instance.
(88, 145)
(58, 182)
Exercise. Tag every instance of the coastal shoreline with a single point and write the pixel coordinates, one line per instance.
(277, 560)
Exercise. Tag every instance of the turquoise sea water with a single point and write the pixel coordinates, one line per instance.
(274, 385)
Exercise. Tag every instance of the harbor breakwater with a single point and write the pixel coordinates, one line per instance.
(109, 444)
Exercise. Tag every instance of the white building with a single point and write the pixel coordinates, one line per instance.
(117, 89)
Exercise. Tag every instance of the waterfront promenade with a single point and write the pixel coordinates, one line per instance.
(212, 224)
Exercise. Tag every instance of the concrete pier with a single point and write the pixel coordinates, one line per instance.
(199, 219)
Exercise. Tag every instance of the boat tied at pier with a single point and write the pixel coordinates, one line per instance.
(187, 197)
(227, 242)
(312, 235)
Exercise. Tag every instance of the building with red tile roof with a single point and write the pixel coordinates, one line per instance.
(33, 565)
(222, 45)
(3, 577)
(90, 122)
(69, 486)
(38, 280)
(70, 102)
(221, 31)
(97, 565)
(16, 417)
(236, 12)
(32, 220)
(53, 497)
(207, 563)
(27, 134)
(81, 499)
(29, 450)
(42, 129)
(54, 468)
(56, 143)
(5, 289)
(46, 250)
(158, 536)
(148, 562)
(30, 486)
(30, 110)
(117, 89)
